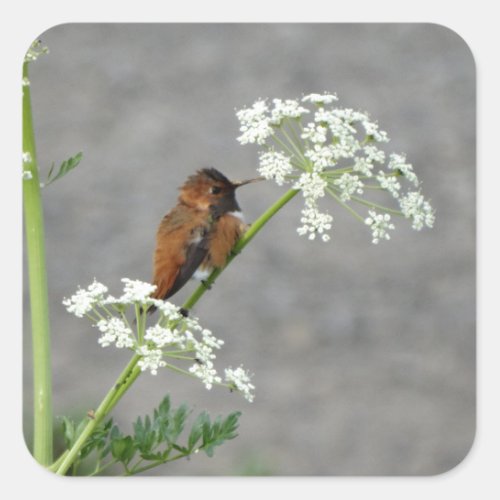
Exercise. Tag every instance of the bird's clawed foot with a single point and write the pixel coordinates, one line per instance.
(184, 312)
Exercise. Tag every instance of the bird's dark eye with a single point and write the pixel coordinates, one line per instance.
(215, 190)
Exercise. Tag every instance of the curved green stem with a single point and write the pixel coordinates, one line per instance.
(376, 205)
(240, 245)
(345, 205)
(124, 381)
(40, 328)
(99, 469)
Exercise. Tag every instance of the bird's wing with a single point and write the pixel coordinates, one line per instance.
(182, 244)
(195, 253)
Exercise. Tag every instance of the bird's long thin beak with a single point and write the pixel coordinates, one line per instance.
(248, 181)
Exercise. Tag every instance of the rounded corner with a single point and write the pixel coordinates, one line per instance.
(30, 457)
(31, 460)
(463, 458)
(460, 39)
(41, 36)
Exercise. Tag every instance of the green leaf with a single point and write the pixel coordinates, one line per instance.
(220, 431)
(155, 438)
(114, 433)
(152, 456)
(139, 431)
(123, 449)
(182, 449)
(196, 431)
(68, 427)
(164, 408)
(230, 425)
(65, 167)
(179, 419)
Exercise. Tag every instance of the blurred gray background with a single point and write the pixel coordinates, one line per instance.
(364, 355)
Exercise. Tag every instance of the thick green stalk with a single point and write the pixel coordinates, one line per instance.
(124, 381)
(40, 330)
(242, 243)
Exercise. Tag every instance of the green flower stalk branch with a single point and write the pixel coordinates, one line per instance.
(122, 384)
(35, 247)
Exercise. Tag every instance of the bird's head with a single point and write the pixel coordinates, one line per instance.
(209, 189)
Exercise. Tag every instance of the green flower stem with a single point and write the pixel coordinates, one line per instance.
(296, 137)
(294, 146)
(40, 328)
(240, 245)
(137, 470)
(376, 205)
(345, 205)
(58, 462)
(278, 141)
(122, 384)
(99, 469)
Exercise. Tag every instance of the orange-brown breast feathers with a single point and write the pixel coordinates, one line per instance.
(225, 234)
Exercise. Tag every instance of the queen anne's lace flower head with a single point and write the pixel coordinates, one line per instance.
(173, 337)
(334, 152)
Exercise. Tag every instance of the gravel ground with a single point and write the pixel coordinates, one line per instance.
(364, 355)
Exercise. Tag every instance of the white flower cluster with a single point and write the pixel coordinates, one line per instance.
(335, 152)
(274, 165)
(312, 186)
(419, 210)
(152, 359)
(286, 109)
(83, 301)
(239, 379)
(348, 184)
(174, 336)
(255, 125)
(136, 291)
(115, 331)
(379, 224)
(315, 222)
(389, 182)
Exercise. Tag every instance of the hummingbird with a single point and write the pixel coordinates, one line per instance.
(197, 235)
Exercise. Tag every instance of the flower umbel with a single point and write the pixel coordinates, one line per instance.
(275, 165)
(255, 125)
(333, 153)
(239, 380)
(314, 223)
(379, 224)
(172, 341)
